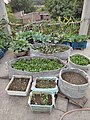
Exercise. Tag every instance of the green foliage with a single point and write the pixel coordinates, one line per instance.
(51, 48)
(31, 35)
(19, 45)
(38, 2)
(20, 5)
(15, 23)
(64, 8)
(78, 38)
(44, 99)
(79, 59)
(37, 64)
(5, 39)
(66, 26)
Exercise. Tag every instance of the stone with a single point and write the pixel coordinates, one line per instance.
(61, 103)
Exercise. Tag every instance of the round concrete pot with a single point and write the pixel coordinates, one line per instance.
(73, 90)
(82, 67)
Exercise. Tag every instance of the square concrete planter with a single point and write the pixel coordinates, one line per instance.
(41, 108)
(19, 92)
(45, 89)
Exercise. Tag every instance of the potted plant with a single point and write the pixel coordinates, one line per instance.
(5, 40)
(65, 39)
(55, 50)
(20, 47)
(45, 84)
(35, 66)
(19, 85)
(79, 41)
(41, 102)
(79, 61)
(73, 82)
(27, 35)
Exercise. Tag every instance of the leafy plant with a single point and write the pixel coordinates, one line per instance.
(79, 59)
(41, 99)
(51, 48)
(65, 8)
(78, 38)
(27, 35)
(19, 45)
(37, 64)
(19, 5)
(5, 39)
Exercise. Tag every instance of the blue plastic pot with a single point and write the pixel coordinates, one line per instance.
(79, 45)
(4, 49)
(1, 53)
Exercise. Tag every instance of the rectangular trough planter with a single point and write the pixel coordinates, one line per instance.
(19, 92)
(41, 108)
(45, 89)
(79, 45)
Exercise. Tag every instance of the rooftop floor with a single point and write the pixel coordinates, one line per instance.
(16, 108)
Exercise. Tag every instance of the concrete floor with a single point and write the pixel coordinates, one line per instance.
(16, 108)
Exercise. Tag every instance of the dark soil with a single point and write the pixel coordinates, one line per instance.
(19, 84)
(41, 99)
(40, 83)
(74, 78)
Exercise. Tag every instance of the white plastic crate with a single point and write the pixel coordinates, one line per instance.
(49, 90)
(41, 108)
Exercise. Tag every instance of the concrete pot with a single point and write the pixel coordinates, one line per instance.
(60, 55)
(73, 65)
(72, 90)
(13, 71)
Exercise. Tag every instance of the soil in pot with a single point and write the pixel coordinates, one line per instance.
(40, 83)
(19, 84)
(74, 78)
(79, 59)
(37, 64)
(41, 99)
(50, 49)
(20, 54)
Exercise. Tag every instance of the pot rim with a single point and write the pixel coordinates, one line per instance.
(71, 69)
(15, 59)
(69, 48)
(77, 64)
